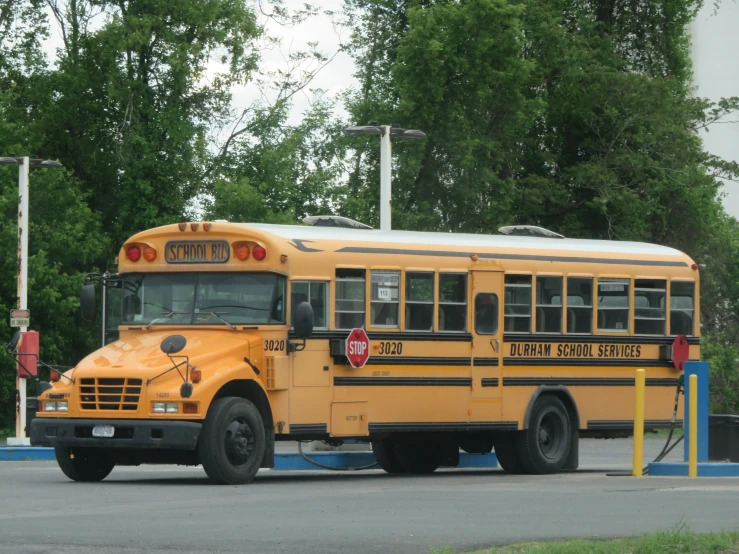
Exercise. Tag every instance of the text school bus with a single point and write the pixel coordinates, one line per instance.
(518, 343)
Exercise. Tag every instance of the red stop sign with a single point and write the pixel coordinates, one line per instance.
(357, 347)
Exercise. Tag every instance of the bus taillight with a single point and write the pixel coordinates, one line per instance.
(259, 253)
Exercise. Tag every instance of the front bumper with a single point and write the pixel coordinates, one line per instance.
(129, 433)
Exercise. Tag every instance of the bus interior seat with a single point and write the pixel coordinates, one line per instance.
(681, 323)
(571, 320)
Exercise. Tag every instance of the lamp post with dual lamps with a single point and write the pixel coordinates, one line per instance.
(24, 163)
(386, 132)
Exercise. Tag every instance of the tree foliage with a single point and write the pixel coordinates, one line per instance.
(574, 115)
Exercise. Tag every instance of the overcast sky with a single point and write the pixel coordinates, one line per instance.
(716, 72)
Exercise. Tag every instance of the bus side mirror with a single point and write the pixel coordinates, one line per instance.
(87, 302)
(303, 320)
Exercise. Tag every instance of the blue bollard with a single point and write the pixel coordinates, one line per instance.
(701, 370)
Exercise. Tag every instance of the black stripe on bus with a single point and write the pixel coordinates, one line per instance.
(399, 336)
(417, 360)
(605, 339)
(402, 381)
(307, 428)
(629, 424)
(489, 381)
(594, 362)
(585, 381)
(530, 257)
(451, 426)
(485, 362)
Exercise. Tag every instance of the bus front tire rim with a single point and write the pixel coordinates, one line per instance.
(240, 442)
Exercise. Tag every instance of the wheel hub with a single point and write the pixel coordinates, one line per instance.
(239, 442)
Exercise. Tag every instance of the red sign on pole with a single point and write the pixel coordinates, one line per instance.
(357, 347)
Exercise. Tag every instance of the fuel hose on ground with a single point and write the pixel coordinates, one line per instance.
(667, 448)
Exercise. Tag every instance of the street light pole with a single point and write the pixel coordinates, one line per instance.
(24, 168)
(386, 132)
(386, 153)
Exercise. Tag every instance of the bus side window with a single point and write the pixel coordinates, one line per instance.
(681, 307)
(453, 302)
(316, 294)
(548, 304)
(350, 295)
(580, 305)
(649, 307)
(517, 307)
(613, 304)
(385, 299)
(419, 301)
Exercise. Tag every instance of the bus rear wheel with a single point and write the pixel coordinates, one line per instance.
(418, 455)
(84, 464)
(544, 447)
(232, 441)
(384, 451)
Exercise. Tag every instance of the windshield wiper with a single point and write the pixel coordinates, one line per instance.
(165, 318)
(219, 317)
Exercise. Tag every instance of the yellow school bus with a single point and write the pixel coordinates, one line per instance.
(225, 337)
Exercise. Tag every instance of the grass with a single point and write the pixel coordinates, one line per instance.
(679, 541)
(664, 433)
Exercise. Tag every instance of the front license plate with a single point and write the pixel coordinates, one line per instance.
(103, 431)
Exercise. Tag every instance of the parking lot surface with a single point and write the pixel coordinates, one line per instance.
(175, 509)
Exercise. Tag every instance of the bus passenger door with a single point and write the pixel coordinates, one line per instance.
(487, 329)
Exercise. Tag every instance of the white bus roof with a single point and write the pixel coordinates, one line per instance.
(464, 240)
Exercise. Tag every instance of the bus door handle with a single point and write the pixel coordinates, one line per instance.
(495, 343)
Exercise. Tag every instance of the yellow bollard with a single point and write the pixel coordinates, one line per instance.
(640, 383)
(693, 439)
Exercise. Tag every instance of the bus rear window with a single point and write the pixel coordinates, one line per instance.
(681, 307)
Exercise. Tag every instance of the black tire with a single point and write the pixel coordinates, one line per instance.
(232, 442)
(418, 455)
(507, 454)
(84, 464)
(543, 448)
(385, 455)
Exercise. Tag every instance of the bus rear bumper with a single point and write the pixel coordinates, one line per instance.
(127, 433)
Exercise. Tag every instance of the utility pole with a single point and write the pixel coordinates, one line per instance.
(386, 132)
(24, 168)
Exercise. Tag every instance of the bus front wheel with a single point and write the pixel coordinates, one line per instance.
(232, 441)
(84, 464)
(545, 445)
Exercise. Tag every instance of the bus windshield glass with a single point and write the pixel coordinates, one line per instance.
(203, 299)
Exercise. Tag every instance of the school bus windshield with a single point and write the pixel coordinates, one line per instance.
(203, 299)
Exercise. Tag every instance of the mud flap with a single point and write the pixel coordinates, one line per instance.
(269, 448)
(573, 458)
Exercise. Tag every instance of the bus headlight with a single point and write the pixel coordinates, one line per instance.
(54, 406)
(165, 407)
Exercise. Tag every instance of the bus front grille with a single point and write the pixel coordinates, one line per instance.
(110, 393)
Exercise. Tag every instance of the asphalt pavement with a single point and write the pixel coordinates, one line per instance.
(168, 509)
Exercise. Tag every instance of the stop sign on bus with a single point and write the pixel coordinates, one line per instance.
(357, 347)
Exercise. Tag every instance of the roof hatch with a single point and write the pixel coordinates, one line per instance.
(529, 231)
(334, 221)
